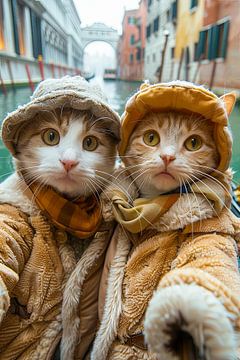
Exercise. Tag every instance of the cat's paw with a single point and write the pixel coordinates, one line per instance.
(121, 186)
(178, 311)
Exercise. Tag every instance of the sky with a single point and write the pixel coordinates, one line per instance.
(109, 12)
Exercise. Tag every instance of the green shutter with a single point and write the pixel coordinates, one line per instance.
(201, 43)
(210, 44)
(225, 39)
(15, 25)
(215, 41)
(174, 10)
(193, 3)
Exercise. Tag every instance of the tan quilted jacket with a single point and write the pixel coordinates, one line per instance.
(180, 276)
(48, 292)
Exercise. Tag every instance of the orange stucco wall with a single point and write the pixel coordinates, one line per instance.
(189, 24)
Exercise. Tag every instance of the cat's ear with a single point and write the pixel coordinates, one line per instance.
(229, 101)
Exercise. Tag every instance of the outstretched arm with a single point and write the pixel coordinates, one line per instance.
(200, 298)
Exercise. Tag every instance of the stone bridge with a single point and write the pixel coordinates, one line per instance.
(99, 32)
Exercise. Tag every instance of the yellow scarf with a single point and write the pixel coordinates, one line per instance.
(80, 218)
(142, 213)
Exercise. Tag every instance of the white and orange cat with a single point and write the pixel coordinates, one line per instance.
(168, 150)
(173, 262)
(52, 233)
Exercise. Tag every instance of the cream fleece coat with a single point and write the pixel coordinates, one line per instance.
(47, 293)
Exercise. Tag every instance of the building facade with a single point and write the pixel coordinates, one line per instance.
(160, 34)
(198, 39)
(131, 46)
(33, 31)
(219, 45)
(190, 17)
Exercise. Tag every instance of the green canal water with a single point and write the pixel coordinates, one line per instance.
(117, 92)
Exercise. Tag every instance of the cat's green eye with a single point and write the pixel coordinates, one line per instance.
(151, 138)
(90, 143)
(193, 143)
(51, 137)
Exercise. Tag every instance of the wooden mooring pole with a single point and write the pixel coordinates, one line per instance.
(180, 65)
(10, 74)
(53, 70)
(41, 66)
(31, 85)
(166, 34)
(3, 87)
(197, 69)
(213, 74)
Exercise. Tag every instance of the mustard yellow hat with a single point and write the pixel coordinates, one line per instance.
(183, 97)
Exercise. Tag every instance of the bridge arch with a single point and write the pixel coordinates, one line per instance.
(100, 32)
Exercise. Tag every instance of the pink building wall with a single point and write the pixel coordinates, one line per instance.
(131, 53)
(227, 73)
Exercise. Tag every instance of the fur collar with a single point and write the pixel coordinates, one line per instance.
(12, 192)
(186, 210)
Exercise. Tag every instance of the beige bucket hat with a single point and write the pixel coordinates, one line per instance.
(70, 91)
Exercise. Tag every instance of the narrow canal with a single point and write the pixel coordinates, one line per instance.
(117, 92)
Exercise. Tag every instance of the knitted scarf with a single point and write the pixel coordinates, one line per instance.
(80, 218)
(143, 212)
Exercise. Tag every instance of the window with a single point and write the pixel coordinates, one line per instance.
(132, 40)
(132, 20)
(153, 57)
(131, 58)
(213, 42)
(148, 31)
(202, 45)
(172, 52)
(196, 51)
(2, 41)
(221, 39)
(18, 22)
(138, 54)
(15, 25)
(36, 34)
(149, 3)
(193, 4)
(168, 15)
(174, 11)
(21, 29)
(156, 24)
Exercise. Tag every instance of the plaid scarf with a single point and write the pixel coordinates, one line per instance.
(80, 218)
(142, 213)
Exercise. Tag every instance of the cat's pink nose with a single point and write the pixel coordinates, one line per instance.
(69, 164)
(167, 159)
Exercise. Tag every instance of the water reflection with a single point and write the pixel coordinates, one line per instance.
(117, 91)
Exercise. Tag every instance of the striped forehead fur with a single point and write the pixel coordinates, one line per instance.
(146, 162)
